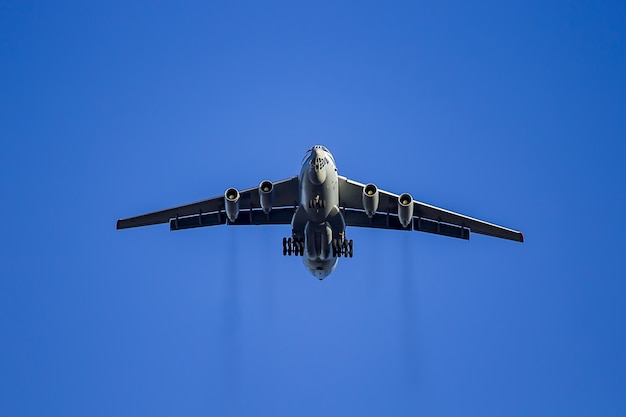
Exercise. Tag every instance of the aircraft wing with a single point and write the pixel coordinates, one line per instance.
(426, 218)
(211, 211)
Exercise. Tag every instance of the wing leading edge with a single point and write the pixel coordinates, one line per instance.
(426, 218)
(210, 212)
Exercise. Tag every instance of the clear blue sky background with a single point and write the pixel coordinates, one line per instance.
(513, 112)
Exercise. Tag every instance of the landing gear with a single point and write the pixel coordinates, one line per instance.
(293, 246)
(343, 247)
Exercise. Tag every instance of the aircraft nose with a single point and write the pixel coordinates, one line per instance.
(318, 163)
(317, 176)
(315, 156)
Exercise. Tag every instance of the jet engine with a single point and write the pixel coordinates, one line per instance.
(266, 195)
(370, 200)
(231, 202)
(405, 209)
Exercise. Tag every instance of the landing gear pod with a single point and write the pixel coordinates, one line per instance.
(317, 239)
(370, 200)
(405, 209)
(266, 195)
(231, 202)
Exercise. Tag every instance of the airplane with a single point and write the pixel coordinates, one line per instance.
(319, 205)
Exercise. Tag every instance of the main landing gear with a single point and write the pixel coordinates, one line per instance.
(343, 247)
(293, 246)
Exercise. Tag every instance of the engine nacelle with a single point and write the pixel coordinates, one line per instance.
(231, 202)
(370, 199)
(405, 209)
(266, 195)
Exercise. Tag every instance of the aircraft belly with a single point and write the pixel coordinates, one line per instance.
(320, 269)
(317, 241)
(319, 199)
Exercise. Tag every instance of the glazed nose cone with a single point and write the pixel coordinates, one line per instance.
(317, 170)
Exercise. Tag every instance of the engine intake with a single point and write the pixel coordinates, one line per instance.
(266, 195)
(370, 200)
(405, 209)
(231, 202)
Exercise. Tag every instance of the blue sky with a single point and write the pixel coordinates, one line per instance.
(511, 112)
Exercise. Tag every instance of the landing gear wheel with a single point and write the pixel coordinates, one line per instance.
(336, 248)
(350, 248)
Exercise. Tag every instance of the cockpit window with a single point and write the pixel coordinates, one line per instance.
(319, 163)
(307, 155)
(322, 147)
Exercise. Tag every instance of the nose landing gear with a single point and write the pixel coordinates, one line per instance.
(293, 246)
(343, 247)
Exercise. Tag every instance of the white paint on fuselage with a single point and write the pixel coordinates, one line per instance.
(319, 197)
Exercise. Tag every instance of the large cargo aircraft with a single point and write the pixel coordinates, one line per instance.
(319, 204)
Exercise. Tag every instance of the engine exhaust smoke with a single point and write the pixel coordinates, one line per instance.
(409, 308)
(231, 324)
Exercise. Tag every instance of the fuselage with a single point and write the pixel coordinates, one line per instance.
(318, 219)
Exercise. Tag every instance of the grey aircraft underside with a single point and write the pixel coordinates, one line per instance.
(319, 205)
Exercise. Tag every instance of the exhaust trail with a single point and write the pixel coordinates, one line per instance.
(371, 255)
(270, 256)
(230, 329)
(409, 309)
